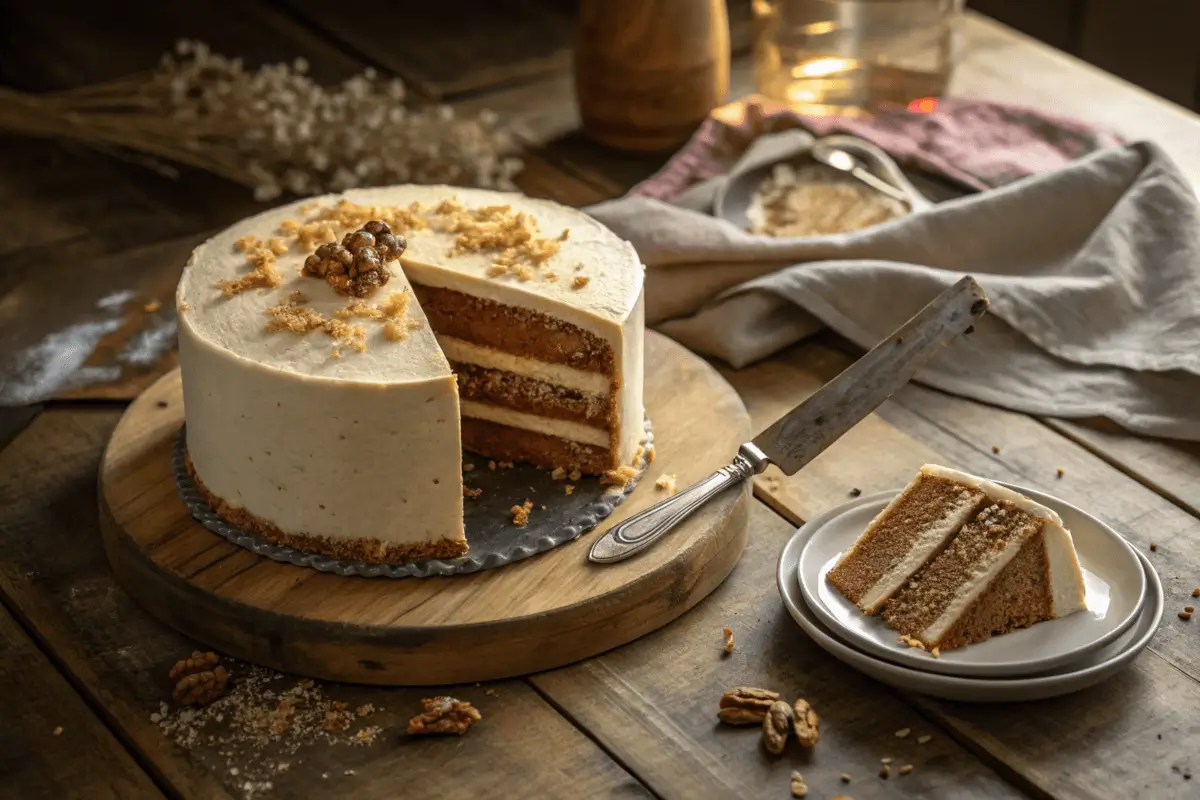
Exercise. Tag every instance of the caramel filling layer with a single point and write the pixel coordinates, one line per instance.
(503, 443)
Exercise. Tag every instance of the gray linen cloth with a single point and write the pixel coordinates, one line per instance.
(1093, 272)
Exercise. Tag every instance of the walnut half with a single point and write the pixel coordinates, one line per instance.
(443, 715)
(807, 724)
(744, 705)
(199, 680)
(777, 726)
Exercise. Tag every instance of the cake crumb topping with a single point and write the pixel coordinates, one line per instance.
(470, 493)
(558, 474)
(513, 236)
(666, 483)
(569, 488)
(264, 275)
(520, 514)
(441, 715)
(293, 316)
(580, 281)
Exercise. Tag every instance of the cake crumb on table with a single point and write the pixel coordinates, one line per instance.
(443, 715)
(569, 488)
(996, 449)
(558, 474)
(621, 476)
(936, 652)
(1153, 547)
(1185, 615)
(666, 483)
(1196, 592)
(903, 732)
(728, 639)
(885, 771)
(58, 730)
(924, 739)
(907, 768)
(471, 493)
(855, 492)
(1059, 472)
(845, 777)
(152, 306)
(799, 788)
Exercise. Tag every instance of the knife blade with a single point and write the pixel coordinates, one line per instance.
(799, 436)
(804, 432)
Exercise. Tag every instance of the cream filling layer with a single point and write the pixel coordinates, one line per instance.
(980, 579)
(928, 545)
(563, 429)
(466, 352)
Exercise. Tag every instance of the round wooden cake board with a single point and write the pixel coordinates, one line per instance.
(533, 615)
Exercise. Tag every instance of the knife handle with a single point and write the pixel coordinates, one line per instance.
(646, 527)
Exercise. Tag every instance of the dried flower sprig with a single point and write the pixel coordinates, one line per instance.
(273, 129)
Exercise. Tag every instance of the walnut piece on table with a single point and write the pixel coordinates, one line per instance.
(443, 715)
(199, 680)
(807, 724)
(744, 705)
(777, 726)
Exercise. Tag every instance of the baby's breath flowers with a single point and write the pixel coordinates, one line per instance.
(273, 129)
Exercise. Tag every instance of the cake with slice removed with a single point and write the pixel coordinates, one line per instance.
(955, 559)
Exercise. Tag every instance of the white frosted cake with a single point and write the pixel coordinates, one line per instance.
(338, 354)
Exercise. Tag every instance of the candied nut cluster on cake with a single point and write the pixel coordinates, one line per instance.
(356, 267)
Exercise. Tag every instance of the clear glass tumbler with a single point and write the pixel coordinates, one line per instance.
(826, 57)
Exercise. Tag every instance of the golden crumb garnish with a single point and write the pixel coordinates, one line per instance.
(152, 306)
(471, 493)
(569, 488)
(666, 483)
(558, 474)
(649, 455)
(265, 275)
(246, 243)
(580, 281)
(578, 267)
(902, 733)
(395, 310)
(504, 464)
(183, 305)
(551, 276)
(907, 768)
(492, 465)
(575, 475)
(496, 270)
(924, 739)
(360, 309)
(936, 652)
(621, 476)
(728, 633)
(467, 467)
(348, 216)
(520, 514)
(295, 317)
(523, 272)
(912, 642)
(512, 236)
(566, 234)
(277, 245)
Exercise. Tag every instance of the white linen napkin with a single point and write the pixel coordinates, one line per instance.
(1093, 272)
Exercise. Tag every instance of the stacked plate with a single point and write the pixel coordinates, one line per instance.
(1124, 608)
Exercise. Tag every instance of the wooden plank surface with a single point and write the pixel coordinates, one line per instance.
(653, 703)
(55, 578)
(51, 743)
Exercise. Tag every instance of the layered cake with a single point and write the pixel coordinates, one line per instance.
(955, 559)
(338, 354)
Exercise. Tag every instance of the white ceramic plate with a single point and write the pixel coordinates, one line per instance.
(1115, 580)
(1088, 671)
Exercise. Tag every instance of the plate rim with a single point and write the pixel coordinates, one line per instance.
(973, 689)
(993, 670)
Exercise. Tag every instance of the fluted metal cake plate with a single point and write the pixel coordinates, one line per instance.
(493, 538)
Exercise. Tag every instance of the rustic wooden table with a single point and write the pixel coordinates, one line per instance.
(82, 669)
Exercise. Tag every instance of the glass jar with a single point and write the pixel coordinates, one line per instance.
(828, 57)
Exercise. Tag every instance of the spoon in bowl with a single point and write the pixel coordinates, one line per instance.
(844, 161)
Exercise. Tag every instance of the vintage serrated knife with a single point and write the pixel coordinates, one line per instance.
(804, 432)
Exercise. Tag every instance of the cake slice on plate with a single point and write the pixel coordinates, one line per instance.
(955, 559)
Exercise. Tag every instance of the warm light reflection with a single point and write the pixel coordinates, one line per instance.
(822, 66)
(926, 105)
